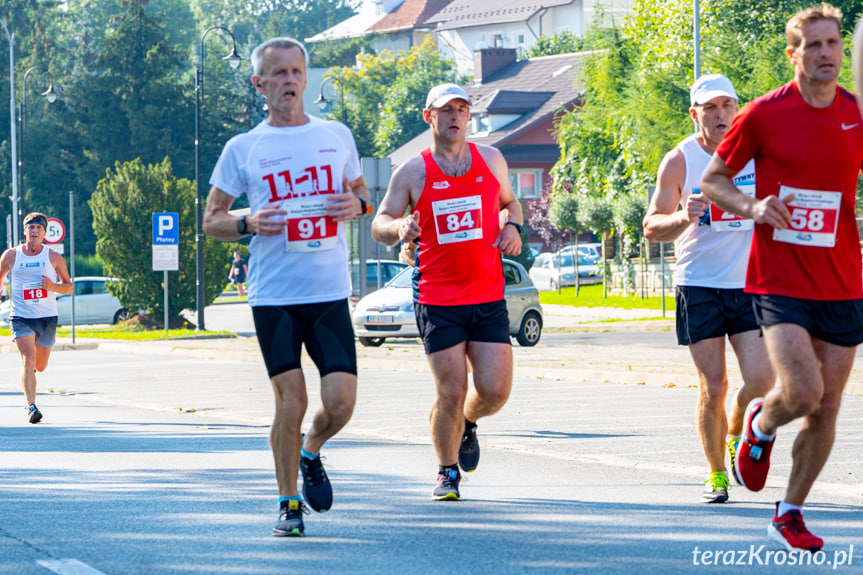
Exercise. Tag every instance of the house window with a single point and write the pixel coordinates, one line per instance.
(526, 183)
(497, 40)
(520, 39)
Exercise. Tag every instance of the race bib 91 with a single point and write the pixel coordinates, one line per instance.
(309, 229)
(458, 219)
(814, 217)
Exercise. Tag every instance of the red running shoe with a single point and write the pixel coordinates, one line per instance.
(753, 456)
(790, 532)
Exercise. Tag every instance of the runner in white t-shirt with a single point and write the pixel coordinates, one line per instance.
(302, 178)
(712, 252)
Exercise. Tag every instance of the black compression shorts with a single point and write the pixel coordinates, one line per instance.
(324, 328)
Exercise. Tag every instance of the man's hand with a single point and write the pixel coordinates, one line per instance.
(696, 206)
(509, 241)
(343, 207)
(47, 283)
(771, 210)
(408, 254)
(268, 221)
(409, 228)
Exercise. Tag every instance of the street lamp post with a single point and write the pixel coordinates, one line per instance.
(234, 60)
(51, 96)
(12, 122)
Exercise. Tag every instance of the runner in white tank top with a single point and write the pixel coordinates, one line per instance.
(712, 255)
(37, 274)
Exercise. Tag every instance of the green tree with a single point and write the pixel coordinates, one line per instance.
(384, 98)
(122, 206)
(564, 42)
(563, 214)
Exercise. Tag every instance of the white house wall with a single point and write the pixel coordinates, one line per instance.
(461, 44)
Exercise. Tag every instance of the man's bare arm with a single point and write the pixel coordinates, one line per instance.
(65, 286)
(219, 224)
(717, 185)
(508, 239)
(391, 225)
(663, 221)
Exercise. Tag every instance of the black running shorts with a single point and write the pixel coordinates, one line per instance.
(324, 328)
(839, 322)
(705, 313)
(442, 327)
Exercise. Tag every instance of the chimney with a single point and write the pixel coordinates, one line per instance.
(489, 60)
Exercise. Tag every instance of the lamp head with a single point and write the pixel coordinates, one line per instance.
(233, 58)
(50, 94)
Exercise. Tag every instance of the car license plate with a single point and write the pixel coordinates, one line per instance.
(379, 319)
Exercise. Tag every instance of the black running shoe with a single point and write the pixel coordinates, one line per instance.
(468, 452)
(290, 522)
(317, 490)
(34, 413)
(446, 487)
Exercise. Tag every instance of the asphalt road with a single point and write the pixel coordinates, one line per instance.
(159, 465)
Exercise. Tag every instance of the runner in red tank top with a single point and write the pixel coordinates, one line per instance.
(455, 192)
(458, 262)
(804, 267)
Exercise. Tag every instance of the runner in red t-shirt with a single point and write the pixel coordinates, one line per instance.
(455, 192)
(804, 266)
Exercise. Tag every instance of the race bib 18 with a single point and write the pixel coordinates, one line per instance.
(458, 219)
(309, 229)
(814, 217)
(34, 293)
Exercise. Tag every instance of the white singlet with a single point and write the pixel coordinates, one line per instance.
(29, 299)
(707, 258)
(291, 167)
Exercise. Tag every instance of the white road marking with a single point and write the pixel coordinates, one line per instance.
(69, 567)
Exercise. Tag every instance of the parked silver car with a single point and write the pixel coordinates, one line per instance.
(553, 270)
(93, 304)
(389, 312)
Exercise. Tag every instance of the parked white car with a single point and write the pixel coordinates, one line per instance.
(551, 270)
(389, 312)
(93, 304)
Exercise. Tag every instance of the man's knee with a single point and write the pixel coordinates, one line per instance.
(804, 400)
(712, 390)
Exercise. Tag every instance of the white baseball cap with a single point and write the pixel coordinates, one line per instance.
(443, 93)
(708, 87)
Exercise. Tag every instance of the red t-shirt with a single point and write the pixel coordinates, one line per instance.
(459, 216)
(819, 152)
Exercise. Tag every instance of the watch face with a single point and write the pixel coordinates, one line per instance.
(329, 91)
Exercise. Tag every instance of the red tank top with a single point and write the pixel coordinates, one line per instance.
(459, 216)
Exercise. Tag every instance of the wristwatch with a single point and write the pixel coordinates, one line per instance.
(242, 228)
(363, 206)
(517, 226)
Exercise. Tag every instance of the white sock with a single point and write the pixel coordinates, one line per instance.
(785, 507)
(758, 433)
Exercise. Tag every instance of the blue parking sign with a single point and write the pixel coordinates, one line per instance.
(166, 228)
